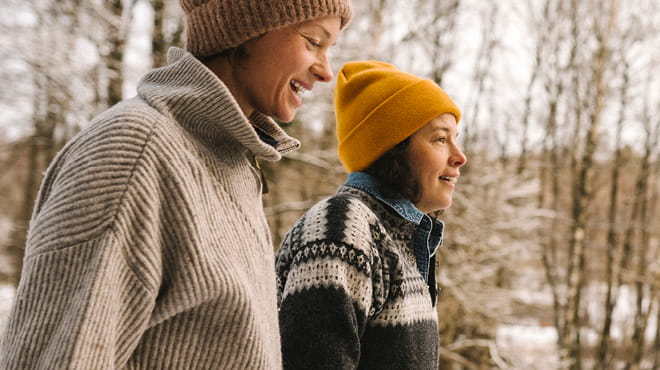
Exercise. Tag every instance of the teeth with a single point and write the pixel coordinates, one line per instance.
(453, 180)
(297, 87)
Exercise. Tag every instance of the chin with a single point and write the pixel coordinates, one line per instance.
(443, 206)
(285, 116)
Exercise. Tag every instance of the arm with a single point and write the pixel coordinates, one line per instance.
(82, 302)
(79, 307)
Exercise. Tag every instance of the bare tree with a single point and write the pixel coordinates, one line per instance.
(582, 190)
(167, 30)
(603, 356)
(538, 26)
(117, 22)
(646, 296)
(482, 70)
(49, 108)
(63, 94)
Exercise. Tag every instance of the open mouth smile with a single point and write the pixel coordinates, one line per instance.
(451, 180)
(297, 87)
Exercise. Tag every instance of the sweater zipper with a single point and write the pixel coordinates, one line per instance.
(261, 174)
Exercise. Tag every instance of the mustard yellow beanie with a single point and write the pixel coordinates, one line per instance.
(216, 25)
(378, 106)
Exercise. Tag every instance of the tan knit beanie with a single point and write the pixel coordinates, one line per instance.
(217, 25)
(378, 106)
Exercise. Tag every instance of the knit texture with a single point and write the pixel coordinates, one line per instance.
(148, 247)
(378, 106)
(350, 293)
(217, 25)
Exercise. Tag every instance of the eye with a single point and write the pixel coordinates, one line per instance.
(441, 140)
(312, 42)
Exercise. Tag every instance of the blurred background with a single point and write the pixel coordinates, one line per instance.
(551, 257)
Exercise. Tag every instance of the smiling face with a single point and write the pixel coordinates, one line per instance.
(281, 65)
(435, 160)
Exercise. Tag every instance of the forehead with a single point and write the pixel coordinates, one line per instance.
(444, 123)
(327, 26)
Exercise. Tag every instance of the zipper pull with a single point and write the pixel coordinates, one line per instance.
(264, 183)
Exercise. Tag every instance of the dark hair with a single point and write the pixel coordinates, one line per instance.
(392, 169)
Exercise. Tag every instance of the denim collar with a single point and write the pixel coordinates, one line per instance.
(402, 206)
(431, 229)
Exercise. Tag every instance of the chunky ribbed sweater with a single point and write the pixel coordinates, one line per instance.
(148, 247)
(351, 293)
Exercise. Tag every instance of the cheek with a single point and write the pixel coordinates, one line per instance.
(423, 177)
(429, 164)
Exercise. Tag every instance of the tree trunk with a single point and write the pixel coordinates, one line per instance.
(482, 70)
(158, 43)
(113, 59)
(603, 355)
(642, 285)
(582, 197)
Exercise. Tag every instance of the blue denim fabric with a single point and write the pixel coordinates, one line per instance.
(428, 234)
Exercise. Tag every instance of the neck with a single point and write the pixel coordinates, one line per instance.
(222, 67)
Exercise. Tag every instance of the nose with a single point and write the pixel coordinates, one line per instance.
(458, 158)
(322, 69)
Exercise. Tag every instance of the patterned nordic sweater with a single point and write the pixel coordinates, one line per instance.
(350, 292)
(148, 247)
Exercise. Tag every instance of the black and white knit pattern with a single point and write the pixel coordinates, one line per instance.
(350, 293)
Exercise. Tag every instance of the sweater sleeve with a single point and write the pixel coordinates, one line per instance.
(80, 307)
(326, 285)
(82, 301)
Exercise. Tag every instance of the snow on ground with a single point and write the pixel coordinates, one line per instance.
(528, 347)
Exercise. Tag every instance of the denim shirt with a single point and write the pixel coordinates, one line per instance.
(428, 233)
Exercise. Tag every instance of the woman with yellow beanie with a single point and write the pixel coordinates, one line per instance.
(356, 273)
(148, 247)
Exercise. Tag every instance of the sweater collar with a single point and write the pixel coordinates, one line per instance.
(198, 100)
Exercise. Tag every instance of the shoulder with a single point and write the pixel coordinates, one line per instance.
(338, 214)
(123, 128)
(105, 152)
(334, 244)
(343, 219)
(87, 181)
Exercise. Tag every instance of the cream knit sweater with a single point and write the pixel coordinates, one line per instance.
(148, 247)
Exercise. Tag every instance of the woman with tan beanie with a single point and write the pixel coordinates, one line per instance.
(356, 277)
(148, 247)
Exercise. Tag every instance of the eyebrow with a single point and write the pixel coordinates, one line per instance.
(443, 129)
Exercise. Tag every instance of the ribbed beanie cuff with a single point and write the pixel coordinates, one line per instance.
(378, 106)
(217, 25)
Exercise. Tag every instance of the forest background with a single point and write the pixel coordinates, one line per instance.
(552, 253)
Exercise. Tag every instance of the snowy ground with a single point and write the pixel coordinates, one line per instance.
(528, 347)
